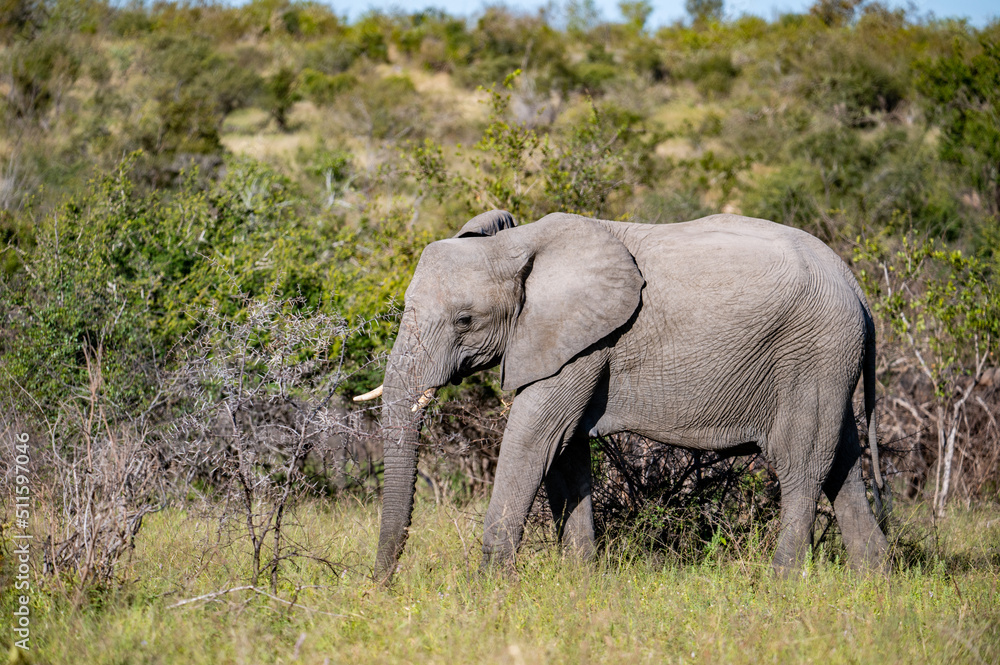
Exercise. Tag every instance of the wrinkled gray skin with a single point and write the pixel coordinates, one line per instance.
(726, 333)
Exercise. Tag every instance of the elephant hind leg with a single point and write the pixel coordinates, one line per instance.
(801, 447)
(866, 545)
(798, 514)
(568, 486)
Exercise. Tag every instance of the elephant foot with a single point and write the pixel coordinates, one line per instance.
(581, 548)
(873, 559)
(787, 568)
(498, 562)
(795, 542)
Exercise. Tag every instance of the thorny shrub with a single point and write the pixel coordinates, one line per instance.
(260, 428)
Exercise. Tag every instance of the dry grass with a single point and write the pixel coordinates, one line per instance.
(629, 606)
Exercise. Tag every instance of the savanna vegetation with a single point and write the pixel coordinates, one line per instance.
(209, 214)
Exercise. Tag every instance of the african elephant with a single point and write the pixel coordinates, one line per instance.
(726, 333)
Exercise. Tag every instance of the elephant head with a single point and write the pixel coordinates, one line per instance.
(529, 298)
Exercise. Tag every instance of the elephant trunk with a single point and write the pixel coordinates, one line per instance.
(402, 417)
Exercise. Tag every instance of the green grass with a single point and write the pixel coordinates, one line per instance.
(629, 607)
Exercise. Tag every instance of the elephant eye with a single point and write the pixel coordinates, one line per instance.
(463, 321)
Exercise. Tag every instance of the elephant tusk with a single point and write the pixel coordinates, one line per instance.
(424, 400)
(369, 395)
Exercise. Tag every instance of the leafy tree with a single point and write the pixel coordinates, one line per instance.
(386, 107)
(835, 13)
(704, 11)
(586, 168)
(713, 73)
(600, 159)
(38, 73)
(193, 87)
(962, 91)
(324, 89)
(20, 18)
(944, 313)
(582, 16)
(636, 12)
(282, 93)
(121, 269)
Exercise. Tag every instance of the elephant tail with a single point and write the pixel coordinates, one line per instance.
(883, 505)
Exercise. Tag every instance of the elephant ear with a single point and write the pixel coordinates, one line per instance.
(487, 224)
(580, 284)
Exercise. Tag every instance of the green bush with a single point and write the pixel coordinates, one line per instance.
(594, 71)
(440, 42)
(713, 74)
(786, 197)
(503, 41)
(912, 191)
(589, 165)
(20, 19)
(368, 34)
(645, 58)
(855, 85)
(192, 87)
(333, 168)
(385, 106)
(323, 89)
(878, 180)
(131, 22)
(962, 96)
(137, 270)
(596, 162)
(39, 72)
(842, 160)
(77, 297)
(281, 93)
(942, 309)
(331, 56)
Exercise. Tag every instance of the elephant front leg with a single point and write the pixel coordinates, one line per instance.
(519, 474)
(543, 421)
